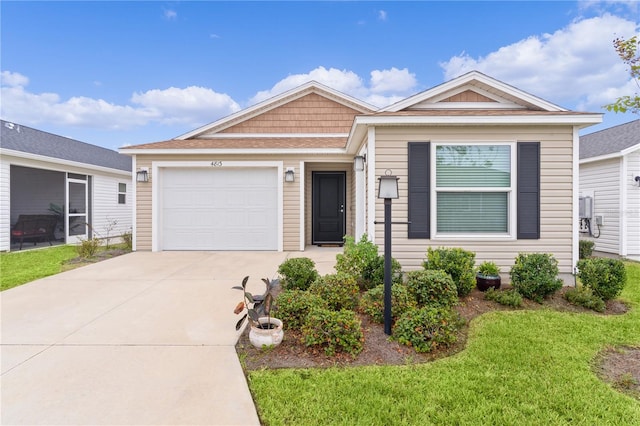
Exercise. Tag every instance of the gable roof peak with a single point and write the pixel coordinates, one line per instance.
(311, 86)
(505, 95)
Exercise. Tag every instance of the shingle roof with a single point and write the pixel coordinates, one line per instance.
(25, 139)
(247, 143)
(611, 140)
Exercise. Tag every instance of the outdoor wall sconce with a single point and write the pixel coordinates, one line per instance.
(289, 175)
(637, 179)
(142, 175)
(358, 163)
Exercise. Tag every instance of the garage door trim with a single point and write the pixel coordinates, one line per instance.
(156, 181)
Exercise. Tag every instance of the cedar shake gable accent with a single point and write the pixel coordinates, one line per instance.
(468, 96)
(311, 113)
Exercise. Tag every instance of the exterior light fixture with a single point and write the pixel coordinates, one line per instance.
(388, 186)
(142, 175)
(387, 189)
(358, 163)
(289, 175)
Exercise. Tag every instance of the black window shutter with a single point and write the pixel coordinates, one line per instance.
(418, 165)
(528, 190)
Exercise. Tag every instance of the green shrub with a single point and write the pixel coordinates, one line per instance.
(373, 273)
(535, 275)
(88, 248)
(507, 297)
(585, 248)
(432, 288)
(606, 277)
(428, 328)
(297, 273)
(335, 331)
(488, 269)
(372, 302)
(340, 291)
(457, 262)
(293, 307)
(583, 296)
(362, 261)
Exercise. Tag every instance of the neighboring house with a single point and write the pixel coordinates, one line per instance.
(39, 170)
(481, 165)
(610, 175)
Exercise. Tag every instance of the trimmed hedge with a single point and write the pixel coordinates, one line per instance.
(372, 302)
(457, 262)
(340, 291)
(335, 331)
(606, 277)
(535, 275)
(432, 288)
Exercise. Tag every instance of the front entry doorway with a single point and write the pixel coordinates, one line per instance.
(328, 207)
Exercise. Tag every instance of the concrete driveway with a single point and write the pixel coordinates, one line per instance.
(140, 339)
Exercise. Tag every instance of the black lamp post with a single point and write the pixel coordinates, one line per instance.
(387, 189)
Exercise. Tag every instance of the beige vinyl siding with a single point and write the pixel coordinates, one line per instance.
(291, 193)
(632, 211)
(143, 206)
(602, 178)
(556, 191)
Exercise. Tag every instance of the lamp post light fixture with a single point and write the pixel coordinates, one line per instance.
(387, 189)
(289, 175)
(142, 175)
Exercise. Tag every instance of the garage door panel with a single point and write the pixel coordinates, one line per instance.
(220, 209)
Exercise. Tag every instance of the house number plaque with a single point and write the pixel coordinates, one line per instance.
(216, 164)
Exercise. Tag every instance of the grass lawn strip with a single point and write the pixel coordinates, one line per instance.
(22, 267)
(519, 367)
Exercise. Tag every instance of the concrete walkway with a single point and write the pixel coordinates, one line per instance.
(140, 339)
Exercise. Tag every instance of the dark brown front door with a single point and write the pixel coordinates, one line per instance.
(328, 207)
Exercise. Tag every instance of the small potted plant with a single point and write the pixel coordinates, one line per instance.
(265, 330)
(487, 276)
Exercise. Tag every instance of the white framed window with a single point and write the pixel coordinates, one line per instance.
(474, 191)
(122, 193)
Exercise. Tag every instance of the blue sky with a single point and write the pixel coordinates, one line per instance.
(121, 73)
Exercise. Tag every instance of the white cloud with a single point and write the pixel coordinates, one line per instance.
(393, 80)
(382, 15)
(576, 64)
(193, 106)
(13, 79)
(386, 86)
(170, 15)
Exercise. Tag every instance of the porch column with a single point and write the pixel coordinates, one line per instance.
(360, 203)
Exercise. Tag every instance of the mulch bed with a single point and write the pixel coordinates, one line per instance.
(620, 367)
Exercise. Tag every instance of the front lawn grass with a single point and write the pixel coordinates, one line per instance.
(519, 367)
(22, 267)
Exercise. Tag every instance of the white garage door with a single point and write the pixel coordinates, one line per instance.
(220, 209)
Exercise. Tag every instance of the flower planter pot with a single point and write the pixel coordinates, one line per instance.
(485, 282)
(260, 337)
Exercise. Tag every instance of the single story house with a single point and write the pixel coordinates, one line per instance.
(87, 187)
(610, 177)
(481, 165)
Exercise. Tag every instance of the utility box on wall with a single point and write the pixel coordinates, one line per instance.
(585, 207)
